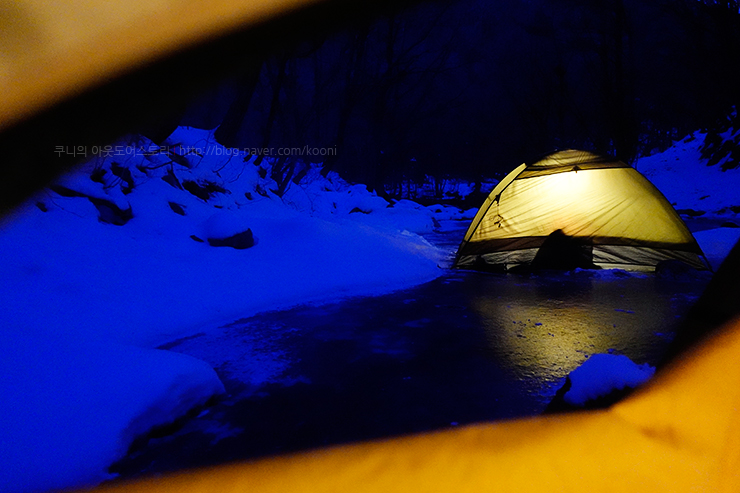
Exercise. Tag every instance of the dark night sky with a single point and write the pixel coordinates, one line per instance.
(465, 89)
(471, 87)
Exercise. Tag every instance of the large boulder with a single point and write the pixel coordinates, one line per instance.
(226, 229)
(108, 211)
(240, 241)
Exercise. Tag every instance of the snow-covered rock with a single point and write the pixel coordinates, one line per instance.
(72, 407)
(599, 381)
(601, 374)
(227, 229)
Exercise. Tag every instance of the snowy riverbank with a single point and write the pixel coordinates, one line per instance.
(701, 193)
(692, 187)
(99, 272)
(118, 258)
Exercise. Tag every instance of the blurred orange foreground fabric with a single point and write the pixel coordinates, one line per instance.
(52, 50)
(680, 433)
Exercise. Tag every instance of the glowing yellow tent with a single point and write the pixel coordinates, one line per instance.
(576, 209)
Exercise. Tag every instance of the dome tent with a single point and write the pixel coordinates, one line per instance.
(576, 209)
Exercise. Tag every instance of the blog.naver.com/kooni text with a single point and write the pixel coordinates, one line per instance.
(182, 150)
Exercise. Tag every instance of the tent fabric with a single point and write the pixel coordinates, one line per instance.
(51, 50)
(679, 433)
(609, 206)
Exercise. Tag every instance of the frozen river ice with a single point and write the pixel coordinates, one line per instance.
(464, 348)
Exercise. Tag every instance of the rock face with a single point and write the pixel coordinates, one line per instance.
(125, 175)
(108, 211)
(240, 241)
(177, 208)
(172, 180)
(559, 404)
(203, 189)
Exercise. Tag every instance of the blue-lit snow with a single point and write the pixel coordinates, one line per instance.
(602, 373)
(688, 183)
(717, 243)
(69, 407)
(85, 302)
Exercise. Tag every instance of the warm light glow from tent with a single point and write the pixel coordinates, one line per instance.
(555, 347)
(571, 183)
(548, 334)
(571, 188)
(547, 203)
(679, 434)
(586, 203)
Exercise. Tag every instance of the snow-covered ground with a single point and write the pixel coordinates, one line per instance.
(696, 190)
(688, 183)
(86, 300)
(717, 243)
(601, 374)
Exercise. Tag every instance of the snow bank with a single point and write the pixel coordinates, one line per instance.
(334, 199)
(600, 374)
(71, 408)
(695, 189)
(688, 183)
(149, 281)
(117, 262)
(717, 243)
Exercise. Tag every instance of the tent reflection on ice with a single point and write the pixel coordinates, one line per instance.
(576, 209)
